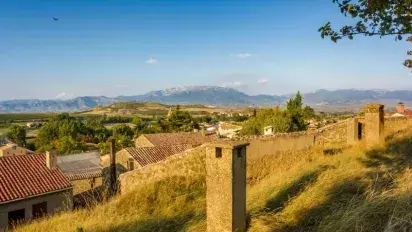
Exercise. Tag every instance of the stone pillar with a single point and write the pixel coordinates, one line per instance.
(374, 124)
(353, 131)
(226, 186)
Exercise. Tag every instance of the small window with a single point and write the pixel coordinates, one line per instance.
(39, 210)
(218, 152)
(16, 216)
(130, 164)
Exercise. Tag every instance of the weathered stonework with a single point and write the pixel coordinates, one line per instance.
(188, 163)
(374, 124)
(143, 142)
(226, 186)
(353, 131)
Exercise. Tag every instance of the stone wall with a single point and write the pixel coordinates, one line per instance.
(192, 162)
(122, 158)
(261, 145)
(85, 184)
(142, 141)
(334, 133)
(188, 163)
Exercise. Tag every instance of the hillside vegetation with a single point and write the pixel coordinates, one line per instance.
(322, 189)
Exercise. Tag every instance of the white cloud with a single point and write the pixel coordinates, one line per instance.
(61, 95)
(152, 61)
(262, 81)
(64, 95)
(242, 55)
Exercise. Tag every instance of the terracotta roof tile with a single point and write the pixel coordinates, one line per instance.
(148, 155)
(82, 176)
(27, 175)
(170, 139)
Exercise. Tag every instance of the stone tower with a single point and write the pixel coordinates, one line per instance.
(374, 123)
(226, 186)
(353, 131)
(400, 107)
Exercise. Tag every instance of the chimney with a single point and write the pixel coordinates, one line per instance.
(113, 174)
(51, 160)
(400, 107)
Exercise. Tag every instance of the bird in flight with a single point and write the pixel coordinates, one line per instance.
(55, 19)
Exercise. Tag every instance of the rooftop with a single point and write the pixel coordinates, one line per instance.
(28, 176)
(149, 155)
(80, 164)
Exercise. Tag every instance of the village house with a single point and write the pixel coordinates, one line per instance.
(228, 130)
(169, 139)
(84, 170)
(11, 149)
(138, 157)
(268, 130)
(31, 186)
(33, 124)
(401, 111)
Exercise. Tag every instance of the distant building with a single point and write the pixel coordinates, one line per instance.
(33, 124)
(138, 157)
(31, 186)
(11, 149)
(228, 130)
(169, 139)
(268, 130)
(401, 111)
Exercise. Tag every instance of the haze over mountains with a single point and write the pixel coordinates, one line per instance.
(345, 99)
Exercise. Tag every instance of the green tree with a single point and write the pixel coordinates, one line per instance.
(374, 18)
(180, 120)
(68, 145)
(17, 134)
(275, 117)
(138, 122)
(280, 121)
(295, 111)
(123, 141)
(123, 130)
(308, 112)
(103, 147)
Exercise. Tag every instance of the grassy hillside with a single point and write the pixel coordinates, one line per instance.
(332, 189)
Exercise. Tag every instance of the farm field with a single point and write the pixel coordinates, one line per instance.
(25, 117)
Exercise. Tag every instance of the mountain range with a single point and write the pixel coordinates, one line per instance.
(344, 99)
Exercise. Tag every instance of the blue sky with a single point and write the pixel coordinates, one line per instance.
(124, 47)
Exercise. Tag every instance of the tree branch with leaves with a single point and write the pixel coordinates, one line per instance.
(374, 18)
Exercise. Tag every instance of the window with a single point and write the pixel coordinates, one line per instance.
(218, 152)
(16, 216)
(130, 164)
(14, 147)
(39, 210)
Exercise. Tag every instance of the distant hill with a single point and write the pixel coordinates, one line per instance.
(345, 99)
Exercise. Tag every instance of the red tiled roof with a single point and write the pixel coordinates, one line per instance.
(27, 175)
(170, 139)
(149, 155)
(405, 113)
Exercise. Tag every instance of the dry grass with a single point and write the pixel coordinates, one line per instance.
(333, 189)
